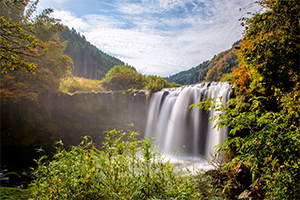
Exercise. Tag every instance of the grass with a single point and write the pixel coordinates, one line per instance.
(126, 168)
(73, 84)
(14, 193)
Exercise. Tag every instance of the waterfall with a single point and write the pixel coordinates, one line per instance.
(178, 128)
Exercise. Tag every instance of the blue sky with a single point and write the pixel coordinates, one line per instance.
(158, 37)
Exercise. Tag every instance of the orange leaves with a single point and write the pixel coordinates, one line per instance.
(14, 91)
(242, 78)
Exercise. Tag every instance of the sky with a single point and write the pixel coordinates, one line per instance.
(157, 37)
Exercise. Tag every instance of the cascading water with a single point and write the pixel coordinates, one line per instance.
(187, 131)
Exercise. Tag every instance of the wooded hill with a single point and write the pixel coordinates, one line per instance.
(210, 70)
(89, 61)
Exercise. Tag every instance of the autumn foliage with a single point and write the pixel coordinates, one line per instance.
(264, 115)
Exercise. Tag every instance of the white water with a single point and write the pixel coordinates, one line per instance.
(186, 131)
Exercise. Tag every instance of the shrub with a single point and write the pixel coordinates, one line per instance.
(269, 144)
(125, 169)
(123, 77)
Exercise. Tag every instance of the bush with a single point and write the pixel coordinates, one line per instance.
(269, 144)
(124, 169)
(123, 77)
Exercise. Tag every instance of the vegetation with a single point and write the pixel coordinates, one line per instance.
(14, 193)
(34, 32)
(17, 38)
(89, 61)
(126, 168)
(264, 115)
(213, 70)
(124, 77)
(72, 84)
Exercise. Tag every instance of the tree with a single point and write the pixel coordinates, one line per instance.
(22, 52)
(264, 115)
(270, 48)
(123, 77)
(17, 38)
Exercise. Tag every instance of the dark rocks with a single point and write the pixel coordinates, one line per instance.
(243, 176)
(20, 179)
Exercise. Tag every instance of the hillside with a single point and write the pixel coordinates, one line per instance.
(210, 70)
(89, 61)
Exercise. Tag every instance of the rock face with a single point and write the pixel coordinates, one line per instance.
(71, 116)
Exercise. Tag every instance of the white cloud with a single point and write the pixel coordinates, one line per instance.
(210, 28)
(71, 20)
(60, 1)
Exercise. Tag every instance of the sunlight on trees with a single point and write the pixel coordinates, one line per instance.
(264, 115)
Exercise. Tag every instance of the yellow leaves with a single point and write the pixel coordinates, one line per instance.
(88, 176)
(260, 78)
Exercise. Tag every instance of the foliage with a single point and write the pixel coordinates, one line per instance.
(17, 40)
(72, 84)
(14, 193)
(271, 145)
(223, 63)
(125, 169)
(89, 61)
(211, 70)
(264, 115)
(123, 77)
(155, 84)
(18, 84)
(270, 48)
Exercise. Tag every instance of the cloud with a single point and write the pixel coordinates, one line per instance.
(71, 20)
(163, 36)
(60, 1)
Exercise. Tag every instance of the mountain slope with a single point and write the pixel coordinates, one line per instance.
(211, 70)
(89, 61)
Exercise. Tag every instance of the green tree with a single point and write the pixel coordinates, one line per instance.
(264, 115)
(17, 38)
(123, 77)
(270, 48)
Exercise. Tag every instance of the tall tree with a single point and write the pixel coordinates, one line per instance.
(264, 115)
(17, 37)
(270, 48)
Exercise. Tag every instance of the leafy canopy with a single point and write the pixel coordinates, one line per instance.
(270, 48)
(17, 39)
(264, 115)
(30, 43)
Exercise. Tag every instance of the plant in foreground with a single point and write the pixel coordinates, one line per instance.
(125, 169)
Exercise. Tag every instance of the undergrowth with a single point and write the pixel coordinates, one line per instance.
(126, 168)
(72, 84)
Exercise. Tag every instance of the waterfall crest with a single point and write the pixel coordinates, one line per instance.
(187, 131)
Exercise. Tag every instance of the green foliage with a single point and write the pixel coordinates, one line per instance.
(48, 69)
(125, 169)
(17, 39)
(89, 61)
(270, 48)
(72, 84)
(211, 70)
(270, 143)
(155, 84)
(264, 117)
(14, 193)
(123, 77)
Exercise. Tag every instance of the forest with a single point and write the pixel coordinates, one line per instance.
(89, 61)
(216, 69)
(41, 59)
